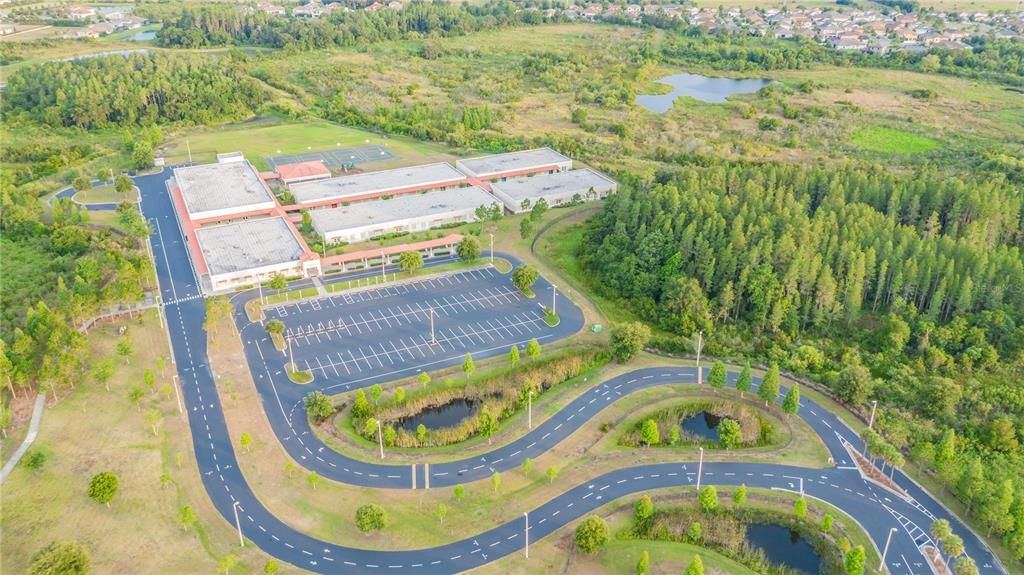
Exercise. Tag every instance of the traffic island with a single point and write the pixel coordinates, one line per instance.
(299, 377)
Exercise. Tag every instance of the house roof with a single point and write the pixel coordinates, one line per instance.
(302, 170)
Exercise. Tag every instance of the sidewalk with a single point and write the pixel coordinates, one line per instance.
(33, 430)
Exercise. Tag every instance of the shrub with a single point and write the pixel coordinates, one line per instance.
(592, 535)
(370, 517)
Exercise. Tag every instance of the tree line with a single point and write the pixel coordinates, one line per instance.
(132, 89)
(905, 288)
(218, 26)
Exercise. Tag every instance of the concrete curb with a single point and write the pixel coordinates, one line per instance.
(33, 430)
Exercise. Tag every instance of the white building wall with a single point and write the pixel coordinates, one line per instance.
(363, 233)
(230, 281)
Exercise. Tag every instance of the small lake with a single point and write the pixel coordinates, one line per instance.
(143, 36)
(703, 88)
(784, 546)
(703, 425)
(440, 416)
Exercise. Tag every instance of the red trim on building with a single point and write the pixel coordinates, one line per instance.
(448, 240)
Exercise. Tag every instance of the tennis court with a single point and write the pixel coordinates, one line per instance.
(335, 159)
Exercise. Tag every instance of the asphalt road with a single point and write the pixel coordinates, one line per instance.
(874, 508)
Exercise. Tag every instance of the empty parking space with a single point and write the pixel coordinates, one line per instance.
(357, 334)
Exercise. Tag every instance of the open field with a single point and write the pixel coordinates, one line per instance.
(95, 430)
(892, 141)
(104, 195)
(268, 137)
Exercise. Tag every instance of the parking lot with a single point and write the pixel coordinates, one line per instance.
(359, 333)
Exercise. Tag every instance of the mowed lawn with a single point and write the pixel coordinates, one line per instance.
(888, 140)
(258, 139)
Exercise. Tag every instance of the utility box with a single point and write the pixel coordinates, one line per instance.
(596, 328)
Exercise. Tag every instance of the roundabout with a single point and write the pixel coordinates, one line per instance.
(485, 325)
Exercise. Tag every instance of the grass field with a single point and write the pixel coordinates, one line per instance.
(105, 195)
(258, 139)
(888, 140)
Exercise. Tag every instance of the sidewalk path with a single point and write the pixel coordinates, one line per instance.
(33, 430)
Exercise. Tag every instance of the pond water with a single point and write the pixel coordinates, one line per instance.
(143, 36)
(783, 546)
(703, 88)
(703, 425)
(440, 416)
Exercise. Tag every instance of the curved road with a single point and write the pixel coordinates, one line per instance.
(874, 508)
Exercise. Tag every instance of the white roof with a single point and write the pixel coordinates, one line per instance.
(223, 188)
(407, 206)
(381, 182)
(484, 166)
(571, 181)
(248, 244)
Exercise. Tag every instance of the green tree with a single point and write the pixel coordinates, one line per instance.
(740, 496)
(34, 459)
(800, 508)
(826, 523)
(468, 367)
(525, 228)
(153, 420)
(708, 498)
(745, 380)
(488, 423)
(124, 348)
(227, 562)
(643, 512)
(245, 441)
(854, 384)
(423, 378)
(940, 529)
(469, 248)
(421, 433)
(410, 261)
(313, 479)
(717, 376)
(769, 389)
(61, 558)
(370, 517)
(539, 208)
(649, 433)
(791, 403)
(592, 534)
(275, 326)
(953, 545)
(376, 391)
(103, 371)
(441, 511)
(399, 395)
(643, 566)
(149, 380)
(551, 473)
(81, 184)
(730, 436)
(854, 562)
(628, 340)
(965, 566)
(513, 355)
(696, 566)
(318, 405)
(271, 567)
(187, 517)
(123, 184)
(495, 482)
(390, 435)
(526, 467)
(103, 487)
(459, 493)
(142, 155)
(523, 277)
(278, 282)
(135, 395)
(533, 348)
(360, 406)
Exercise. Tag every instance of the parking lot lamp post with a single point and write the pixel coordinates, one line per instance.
(888, 539)
(259, 284)
(529, 409)
(526, 534)
(700, 467)
(492, 248)
(291, 357)
(700, 346)
(433, 340)
(177, 395)
(871, 420)
(554, 292)
(380, 439)
(238, 524)
(383, 262)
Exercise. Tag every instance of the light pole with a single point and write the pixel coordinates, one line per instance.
(871, 420)
(529, 409)
(888, 539)
(177, 395)
(291, 358)
(554, 292)
(238, 524)
(492, 248)
(380, 439)
(433, 340)
(526, 534)
(700, 467)
(383, 262)
(259, 284)
(700, 346)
